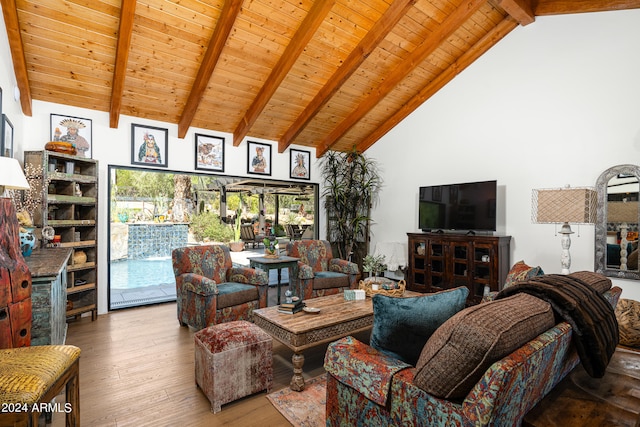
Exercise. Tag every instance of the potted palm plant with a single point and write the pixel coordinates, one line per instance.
(352, 184)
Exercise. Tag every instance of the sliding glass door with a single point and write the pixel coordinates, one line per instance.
(151, 212)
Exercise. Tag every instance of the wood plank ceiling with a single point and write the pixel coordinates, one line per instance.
(332, 74)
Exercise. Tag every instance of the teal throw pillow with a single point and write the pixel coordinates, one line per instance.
(402, 326)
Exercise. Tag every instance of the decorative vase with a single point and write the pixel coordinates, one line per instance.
(269, 253)
(27, 240)
(79, 257)
(236, 246)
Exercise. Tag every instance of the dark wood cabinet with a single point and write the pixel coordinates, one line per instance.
(444, 261)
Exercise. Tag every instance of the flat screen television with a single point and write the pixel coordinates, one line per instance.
(466, 207)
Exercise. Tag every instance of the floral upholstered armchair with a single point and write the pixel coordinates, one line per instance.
(210, 290)
(319, 273)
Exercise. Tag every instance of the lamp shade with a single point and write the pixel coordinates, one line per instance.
(11, 175)
(575, 205)
(622, 212)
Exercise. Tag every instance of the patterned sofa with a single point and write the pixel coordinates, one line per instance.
(319, 273)
(368, 387)
(210, 290)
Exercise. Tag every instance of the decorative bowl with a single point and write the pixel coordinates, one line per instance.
(385, 286)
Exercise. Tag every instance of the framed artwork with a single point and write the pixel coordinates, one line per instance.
(259, 157)
(299, 164)
(75, 130)
(149, 145)
(209, 153)
(7, 137)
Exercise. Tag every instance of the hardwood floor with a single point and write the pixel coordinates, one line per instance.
(137, 369)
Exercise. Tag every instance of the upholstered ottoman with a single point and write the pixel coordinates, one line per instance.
(233, 360)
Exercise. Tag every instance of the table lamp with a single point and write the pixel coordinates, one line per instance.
(11, 176)
(622, 213)
(564, 206)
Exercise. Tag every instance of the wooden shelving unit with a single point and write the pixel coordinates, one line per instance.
(70, 206)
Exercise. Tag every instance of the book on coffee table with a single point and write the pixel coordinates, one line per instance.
(291, 308)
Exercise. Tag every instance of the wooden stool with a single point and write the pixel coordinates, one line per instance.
(30, 377)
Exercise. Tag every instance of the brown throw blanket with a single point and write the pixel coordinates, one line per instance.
(595, 328)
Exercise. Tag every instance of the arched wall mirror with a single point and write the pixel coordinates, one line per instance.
(618, 216)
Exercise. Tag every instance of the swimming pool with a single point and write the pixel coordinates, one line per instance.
(138, 273)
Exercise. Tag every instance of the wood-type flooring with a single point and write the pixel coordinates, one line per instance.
(137, 369)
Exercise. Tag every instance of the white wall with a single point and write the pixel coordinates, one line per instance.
(554, 103)
(10, 106)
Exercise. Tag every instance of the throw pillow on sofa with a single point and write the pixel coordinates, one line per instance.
(462, 349)
(596, 280)
(401, 326)
(521, 271)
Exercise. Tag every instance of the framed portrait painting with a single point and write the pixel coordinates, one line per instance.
(299, 164)
(76, 130)
(259, 158)
(149, 145)
(209, 153)
(7, 136)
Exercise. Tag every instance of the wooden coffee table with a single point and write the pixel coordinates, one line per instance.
(337, 318)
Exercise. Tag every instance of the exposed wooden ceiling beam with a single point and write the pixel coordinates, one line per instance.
(303, 35)
(227, 19)
(10, 14)
(520, 10)
(431, 43)
(127, 12)
(378, 32)
(482, 46)
(559, 7)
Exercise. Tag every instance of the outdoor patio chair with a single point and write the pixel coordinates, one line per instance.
(210, 290)
(319, 273)
(294, 232)
(248, 235)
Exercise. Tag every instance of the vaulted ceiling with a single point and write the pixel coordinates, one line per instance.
(332, 74)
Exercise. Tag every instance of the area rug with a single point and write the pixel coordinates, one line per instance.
(304, 408)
